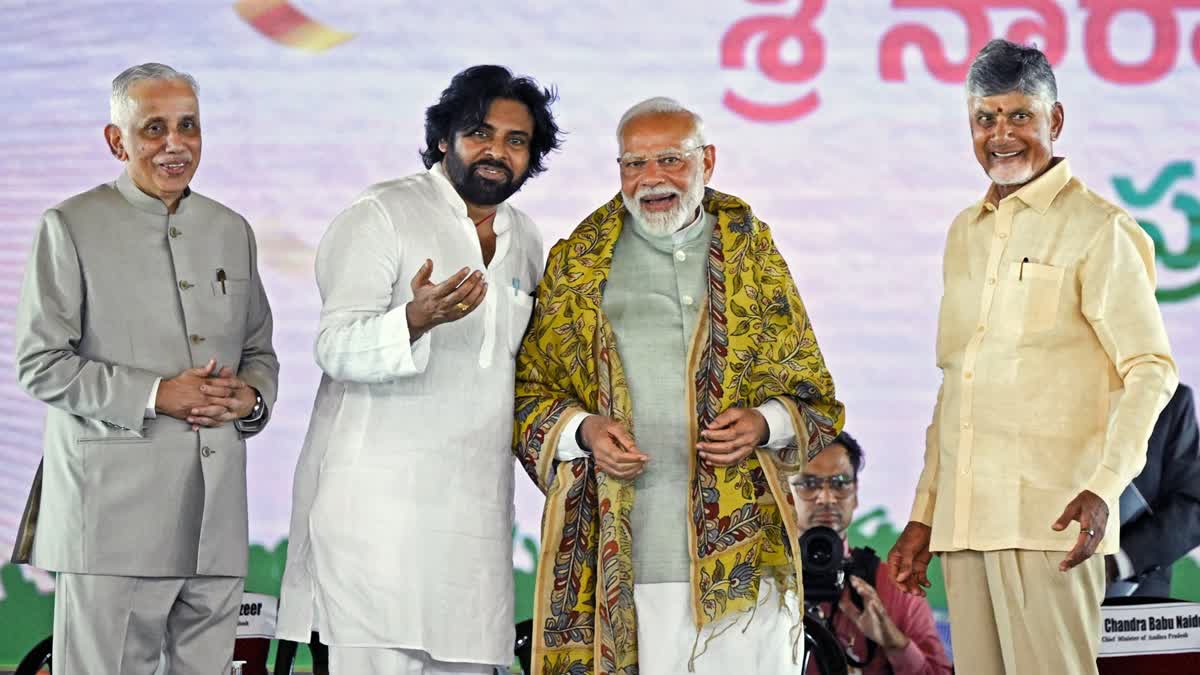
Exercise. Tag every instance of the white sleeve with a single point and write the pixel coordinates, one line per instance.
(568, 447)
(780, 433)
(150, 414)
(361, 338)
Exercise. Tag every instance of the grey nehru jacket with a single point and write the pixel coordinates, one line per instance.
(653, 297)
(118, 293)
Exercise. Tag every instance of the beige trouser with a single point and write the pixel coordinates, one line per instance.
(1013, 613)
(110, 625)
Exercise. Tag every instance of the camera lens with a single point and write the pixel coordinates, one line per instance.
(820, 552)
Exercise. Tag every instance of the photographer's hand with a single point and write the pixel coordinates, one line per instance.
(910, 558)
(873, 620)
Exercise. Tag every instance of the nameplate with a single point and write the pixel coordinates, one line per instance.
(1166, 628)
(257, 616)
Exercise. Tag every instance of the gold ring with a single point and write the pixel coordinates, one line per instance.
(462, 307)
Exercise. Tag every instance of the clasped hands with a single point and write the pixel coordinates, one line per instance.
(205, 398)
(725, 441)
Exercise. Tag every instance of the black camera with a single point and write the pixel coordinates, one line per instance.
(825, 565)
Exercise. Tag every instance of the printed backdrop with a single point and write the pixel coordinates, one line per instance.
(843, 124)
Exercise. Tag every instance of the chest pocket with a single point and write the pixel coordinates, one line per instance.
(1037, 290)
(519, 306)
(229, 299)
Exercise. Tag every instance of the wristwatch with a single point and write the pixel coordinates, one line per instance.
(256, 412)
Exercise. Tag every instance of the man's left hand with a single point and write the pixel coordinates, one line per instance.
(873, 619)
(1092, 514)
(229, 399)
(732, 436)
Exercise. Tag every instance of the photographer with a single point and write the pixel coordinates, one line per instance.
(900, 625)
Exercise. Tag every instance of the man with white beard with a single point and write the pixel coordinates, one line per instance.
(1055, 365)
(669, 317)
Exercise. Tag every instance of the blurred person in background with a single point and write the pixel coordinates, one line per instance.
(900, 625)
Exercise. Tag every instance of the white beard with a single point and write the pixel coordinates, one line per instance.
(1011, 175)
(662, 223)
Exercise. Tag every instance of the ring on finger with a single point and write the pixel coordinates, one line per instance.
(462, 307)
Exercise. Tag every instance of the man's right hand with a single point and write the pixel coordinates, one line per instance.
(434, 304)
(613, 448)
(180, 394)
(909, 559)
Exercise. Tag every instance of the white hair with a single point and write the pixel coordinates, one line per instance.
(121, 106)
(661, 104)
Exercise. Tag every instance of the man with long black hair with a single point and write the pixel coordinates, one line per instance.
(400, 552)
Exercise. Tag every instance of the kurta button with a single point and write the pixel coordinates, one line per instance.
(197, 339)
(185, 285)
(687, 300)
(992, 281)
(966, 425)
(174, 232)
(1003, 235)
(968, 375)
(680, 256)
(206, 451)
(980, 329)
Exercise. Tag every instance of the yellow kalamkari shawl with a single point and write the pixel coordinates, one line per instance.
(753, 342)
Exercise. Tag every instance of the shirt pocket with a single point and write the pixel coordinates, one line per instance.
(229, 299)
(519, 308)
(1038, 291)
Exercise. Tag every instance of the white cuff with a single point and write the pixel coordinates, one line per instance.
(780, 432)
(1124, 565)
(568, 448)
(150, 414)
(420, 352)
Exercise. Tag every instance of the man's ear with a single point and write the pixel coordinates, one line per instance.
(443, 146)
(710, 162)
(116, 145)
(1057, 117)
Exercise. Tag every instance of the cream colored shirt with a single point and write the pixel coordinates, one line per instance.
(1055, 365)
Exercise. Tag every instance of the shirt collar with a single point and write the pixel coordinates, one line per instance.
(500, 224)
(144, 202)
(1037, 194)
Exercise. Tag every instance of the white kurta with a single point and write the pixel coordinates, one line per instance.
(402, 515)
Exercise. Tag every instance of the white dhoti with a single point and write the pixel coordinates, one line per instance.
(758, 642)
(386, 661)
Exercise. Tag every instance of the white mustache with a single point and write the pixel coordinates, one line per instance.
(657, 192)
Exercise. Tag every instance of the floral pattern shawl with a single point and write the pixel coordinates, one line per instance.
(753, 343)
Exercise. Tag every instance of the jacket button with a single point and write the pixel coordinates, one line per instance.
(206, 451)
(197, 339)
(185, 285)
(174, 232)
